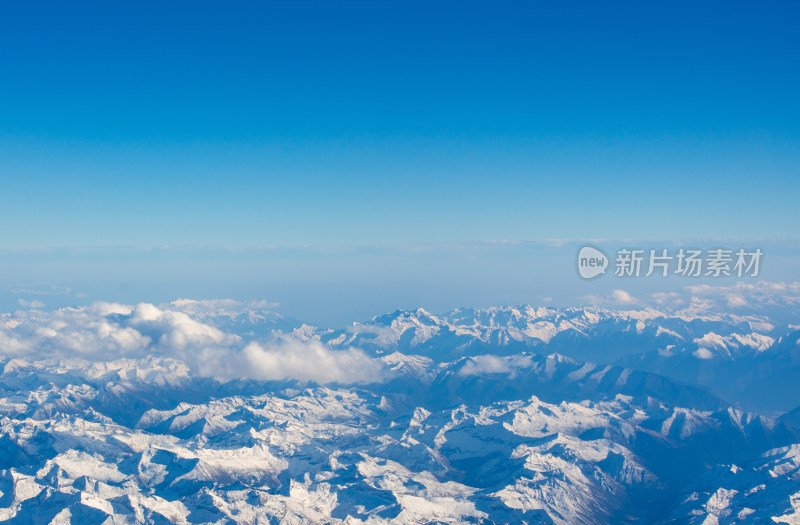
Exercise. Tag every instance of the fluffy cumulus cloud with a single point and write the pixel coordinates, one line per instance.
(174, 330)
(492, 364)
(104, 332)
(760, 293)
(312, 361)
(774, 299)
(736, 301)
(777, 300)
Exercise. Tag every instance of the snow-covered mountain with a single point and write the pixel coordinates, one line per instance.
(583, 333)
(216, 412)
(763, 490)
(745, 359)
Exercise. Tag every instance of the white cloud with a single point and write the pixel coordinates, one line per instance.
(616, 298)
(263, 304)
(105, 332)
(774, 298)
(204, 306)
(736, 301)
(484, 364)
(760, 292)
(492, 364)
(193, 306)
(30, 304)
(311, 361)
(622, 297)
(43, 289)
(177, 330)
(703, 353)
(671, 299)
(771, 299)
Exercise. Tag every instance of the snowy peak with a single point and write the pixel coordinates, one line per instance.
(215, 412)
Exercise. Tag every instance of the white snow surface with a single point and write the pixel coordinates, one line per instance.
(218, 412)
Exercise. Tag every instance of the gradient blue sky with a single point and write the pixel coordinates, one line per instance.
(186, 123)
(177, 124)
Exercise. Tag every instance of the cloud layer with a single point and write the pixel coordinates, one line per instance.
(776, 299)
(107, 331)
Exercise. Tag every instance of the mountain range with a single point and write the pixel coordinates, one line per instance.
(201, 412)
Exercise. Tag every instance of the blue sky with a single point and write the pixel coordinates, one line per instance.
(188, 124)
